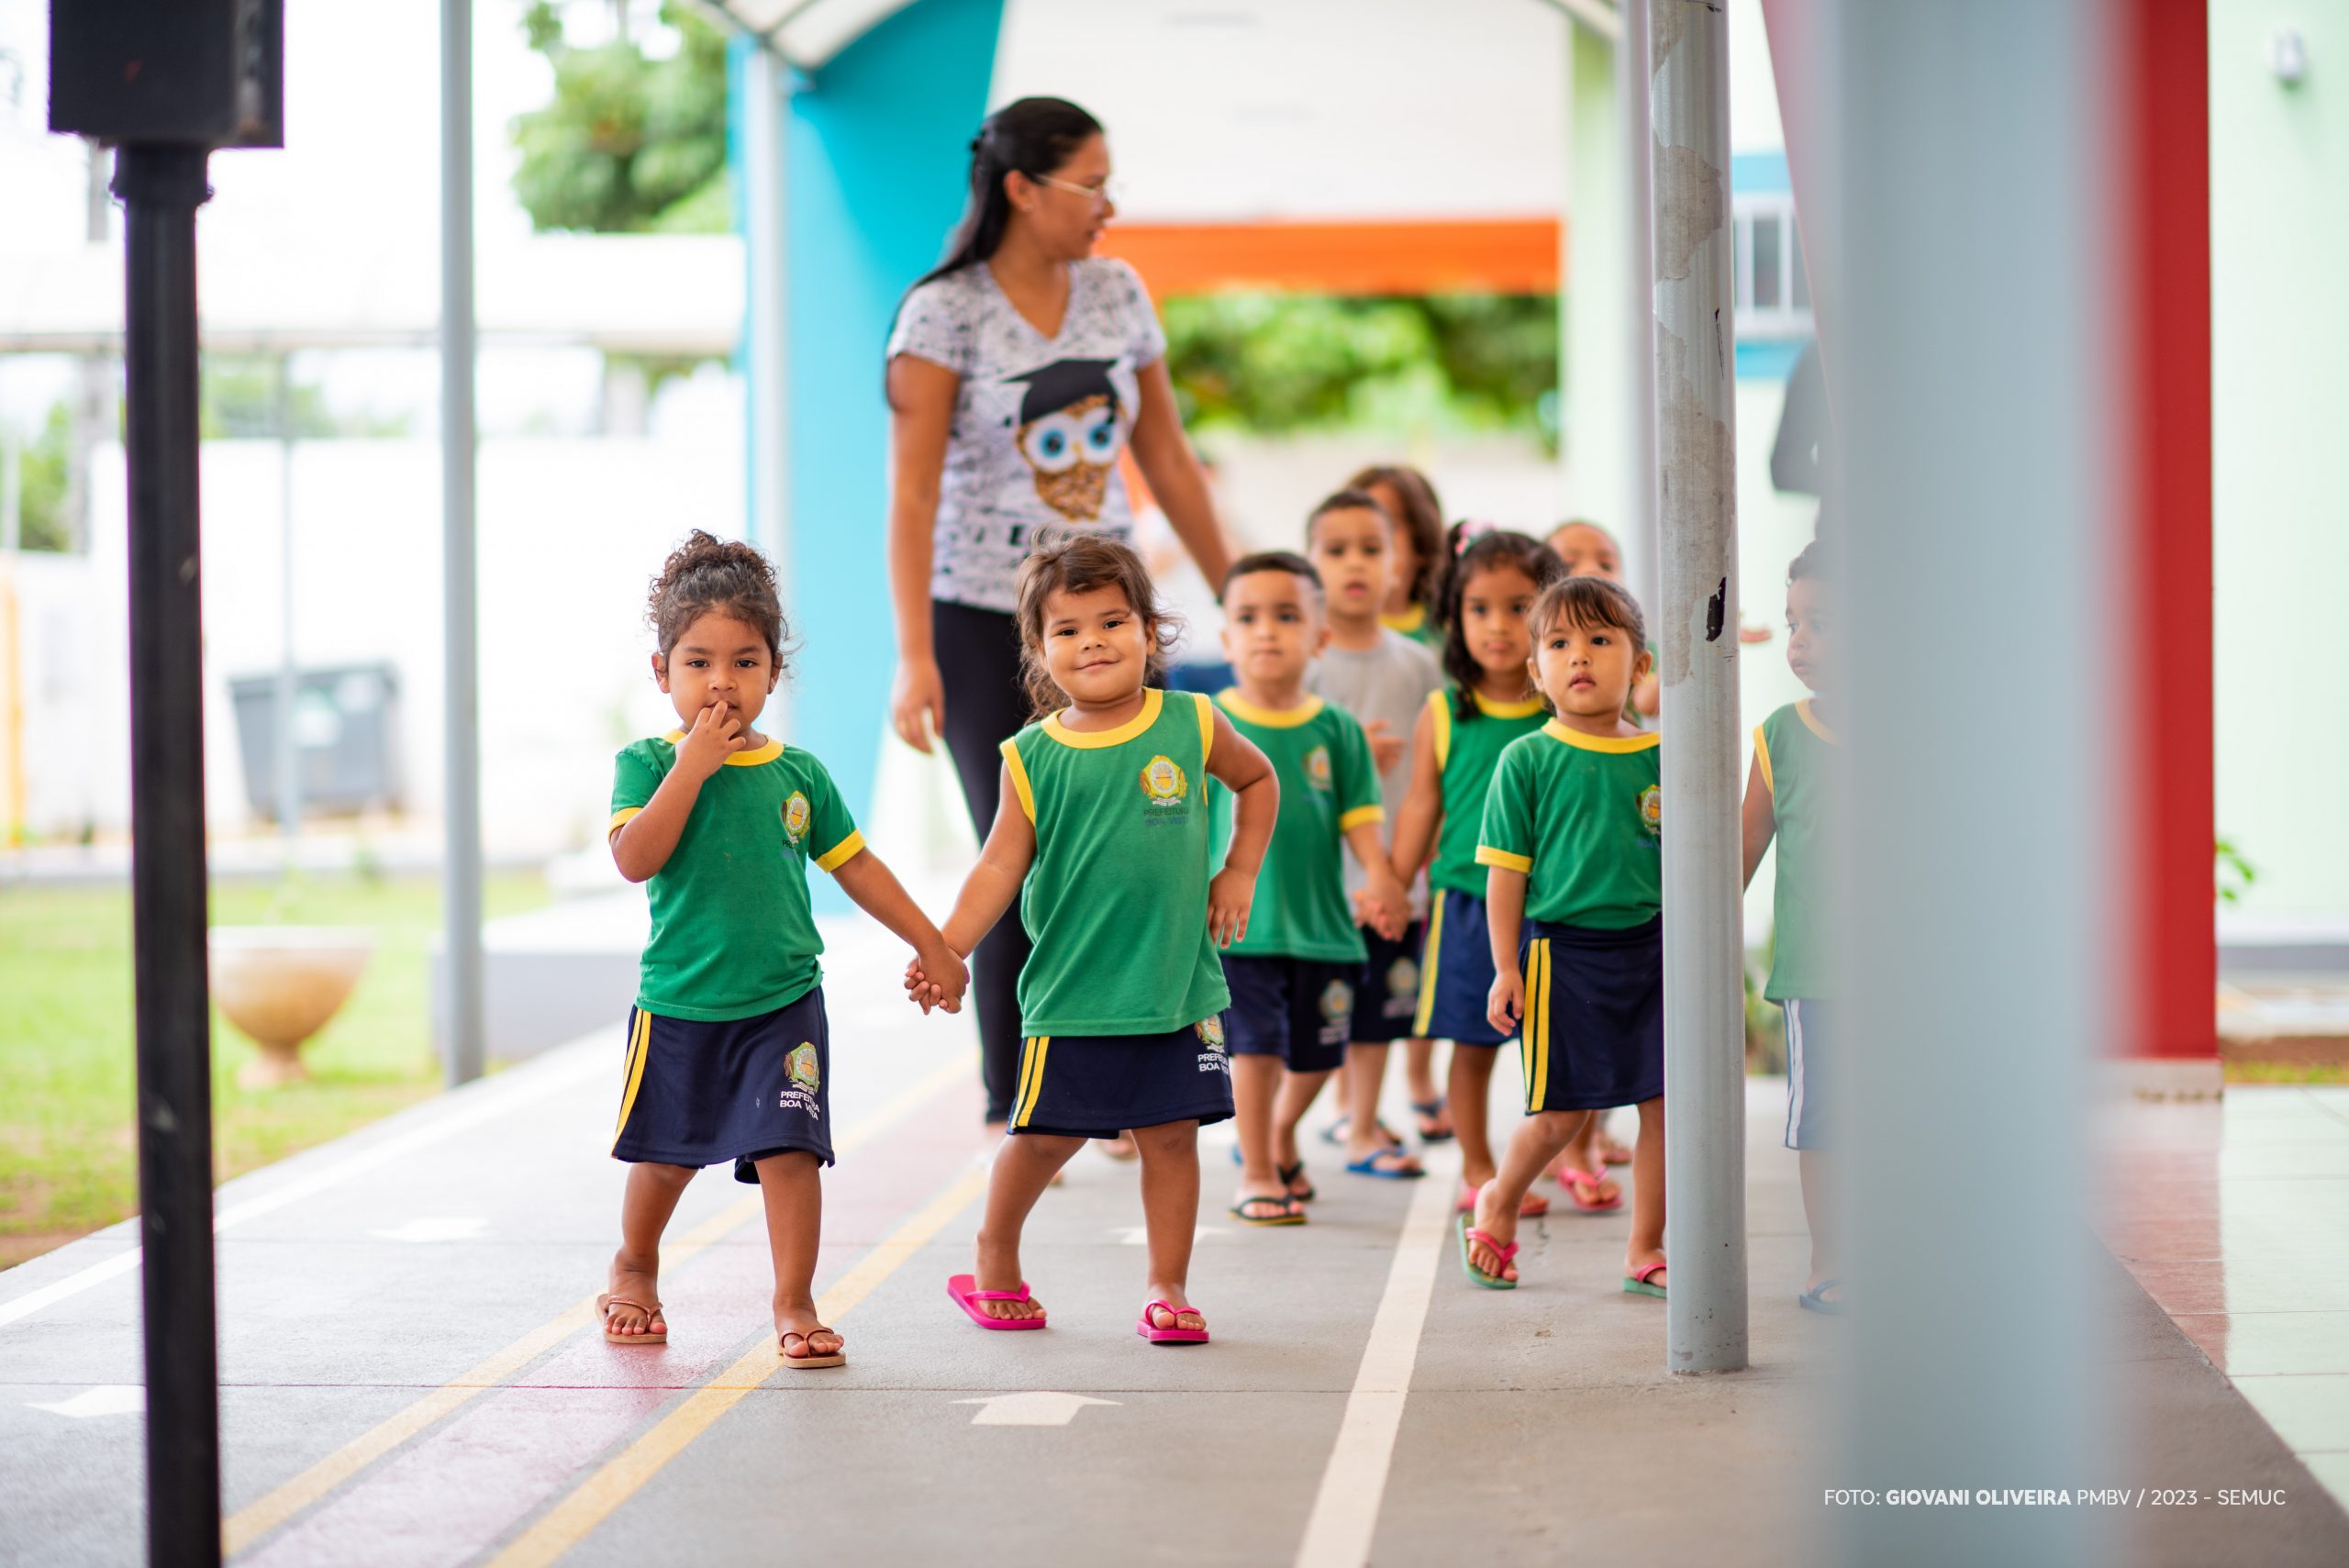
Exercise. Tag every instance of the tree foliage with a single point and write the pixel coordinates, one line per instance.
(629, 144)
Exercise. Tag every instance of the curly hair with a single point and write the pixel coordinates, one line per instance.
(1079, 563)
(708, 575)
(1421, 520)
(1467, 553)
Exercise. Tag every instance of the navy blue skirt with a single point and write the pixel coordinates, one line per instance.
(1299, 1009)
(1100, 1085)
(702, 1093)
(1456, 974)
(1594, 1016)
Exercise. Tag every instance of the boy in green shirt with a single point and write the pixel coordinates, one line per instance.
(1292, 976)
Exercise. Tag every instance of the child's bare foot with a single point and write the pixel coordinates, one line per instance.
(997, 1268)
(633, 1306)
(1613, 1151)
(1181, 1317)
(1634, 1262)
(1502, 1228)
(802, 1334)
(1120, 1148)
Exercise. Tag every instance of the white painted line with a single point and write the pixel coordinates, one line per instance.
(522, 1089)
(106, 1399)
(437, 1228)
(1138, 1235)
(1037, 1408)
(1345, 1511)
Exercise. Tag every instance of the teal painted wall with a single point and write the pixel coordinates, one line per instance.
(878, 153)
(2280, 227)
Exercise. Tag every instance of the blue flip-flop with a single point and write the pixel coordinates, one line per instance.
(1815, 1299)
(1368, 1165)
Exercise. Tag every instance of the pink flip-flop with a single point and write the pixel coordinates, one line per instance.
(967, 1294)
(1574, 1181)
(1158, 1336)
(1638, 1283)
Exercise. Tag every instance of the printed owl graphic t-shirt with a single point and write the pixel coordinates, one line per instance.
(1039, 422)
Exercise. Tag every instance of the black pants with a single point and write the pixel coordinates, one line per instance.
(978, 662)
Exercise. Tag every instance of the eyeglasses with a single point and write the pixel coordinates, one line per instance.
(1100, 195)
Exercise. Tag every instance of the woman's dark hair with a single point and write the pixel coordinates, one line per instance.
(1346, 500)
(1812, 562)
(1078, 563)
(1589, 604)
(708, 575)
(1465, 553)
(1286, 561)
(1422, 519)
(1032, 136)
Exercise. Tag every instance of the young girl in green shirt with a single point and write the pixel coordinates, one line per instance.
(729, 1054)
(1105, 821)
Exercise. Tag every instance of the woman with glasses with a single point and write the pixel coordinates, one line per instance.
(1018, 371)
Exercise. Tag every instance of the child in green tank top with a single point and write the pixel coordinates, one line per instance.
(728, 1048)
(1789, 797)
(1572, 841)
(1494, 578)
(1105, 821)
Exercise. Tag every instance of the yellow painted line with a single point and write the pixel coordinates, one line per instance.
(257, 1518)
(571, 1520)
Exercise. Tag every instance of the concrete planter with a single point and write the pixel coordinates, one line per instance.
(280, 984)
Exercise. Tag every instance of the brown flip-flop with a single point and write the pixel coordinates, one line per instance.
(801, 1363)
(604, 1303)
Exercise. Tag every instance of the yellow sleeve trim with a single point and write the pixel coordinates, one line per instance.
(620, 819)
(1360, 815)
(1207, 726)
(839, 854)
(1440, 707)
(1020, 784)
(1488, 856)
(1761, 758)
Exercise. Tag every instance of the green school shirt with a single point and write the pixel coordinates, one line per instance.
(1117, 898)
(733, 933)
(1418, 625)
(1467, 752)
(1329, 785)
(1583, 816)
(1792, 747)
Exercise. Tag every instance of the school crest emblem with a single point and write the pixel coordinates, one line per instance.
(1210, 1031)
(802, 1066)
(1317, 767)
(1337, 1001)
(1163, 782)
(796, 812)
(1651, 809)
(1402, 978)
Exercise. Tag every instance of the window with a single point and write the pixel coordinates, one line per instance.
(1773, 294)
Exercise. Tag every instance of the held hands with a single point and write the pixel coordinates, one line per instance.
(1505, 1004)
(1382, 903)
(715, 735)
(935, 977)
(1387, 748)
(1230, 897)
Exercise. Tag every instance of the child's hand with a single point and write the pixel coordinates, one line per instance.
(1506, 1003)
(1230, 897)
(1387, 748)
(1385, 903)
(714, 738)
(944, 973)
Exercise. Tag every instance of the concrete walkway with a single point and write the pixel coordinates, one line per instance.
(411, 1376)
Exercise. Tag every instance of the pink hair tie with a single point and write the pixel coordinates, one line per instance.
(1471, 529)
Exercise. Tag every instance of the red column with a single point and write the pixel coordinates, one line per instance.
(2166, 149)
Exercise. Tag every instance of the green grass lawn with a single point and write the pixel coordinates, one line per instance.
(68, 1158)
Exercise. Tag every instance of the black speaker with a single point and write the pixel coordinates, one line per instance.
(172, 73)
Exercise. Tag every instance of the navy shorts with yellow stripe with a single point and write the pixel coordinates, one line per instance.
(1594, 1016)
(1098, 1085)
(1299, 1009)
(1387, 997)
(696, 1093)
(1456, 974)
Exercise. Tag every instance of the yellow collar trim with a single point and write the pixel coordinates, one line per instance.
(1407, 622)
(1491, 709)
(1558, 730)
(1810, 722)
(1266, 717)
(1153, 699)
(766, 753)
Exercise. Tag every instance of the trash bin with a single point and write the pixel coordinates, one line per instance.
(346, 733)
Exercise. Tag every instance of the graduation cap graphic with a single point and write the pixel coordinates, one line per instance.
(1060, 385)
(1070, 433)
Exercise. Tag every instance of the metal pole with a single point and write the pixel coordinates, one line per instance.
(1639, 315)
(289, 754)
(161, 188)
(462, 1027)
(1704, 1030)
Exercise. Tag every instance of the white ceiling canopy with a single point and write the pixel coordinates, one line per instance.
(807, 33)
